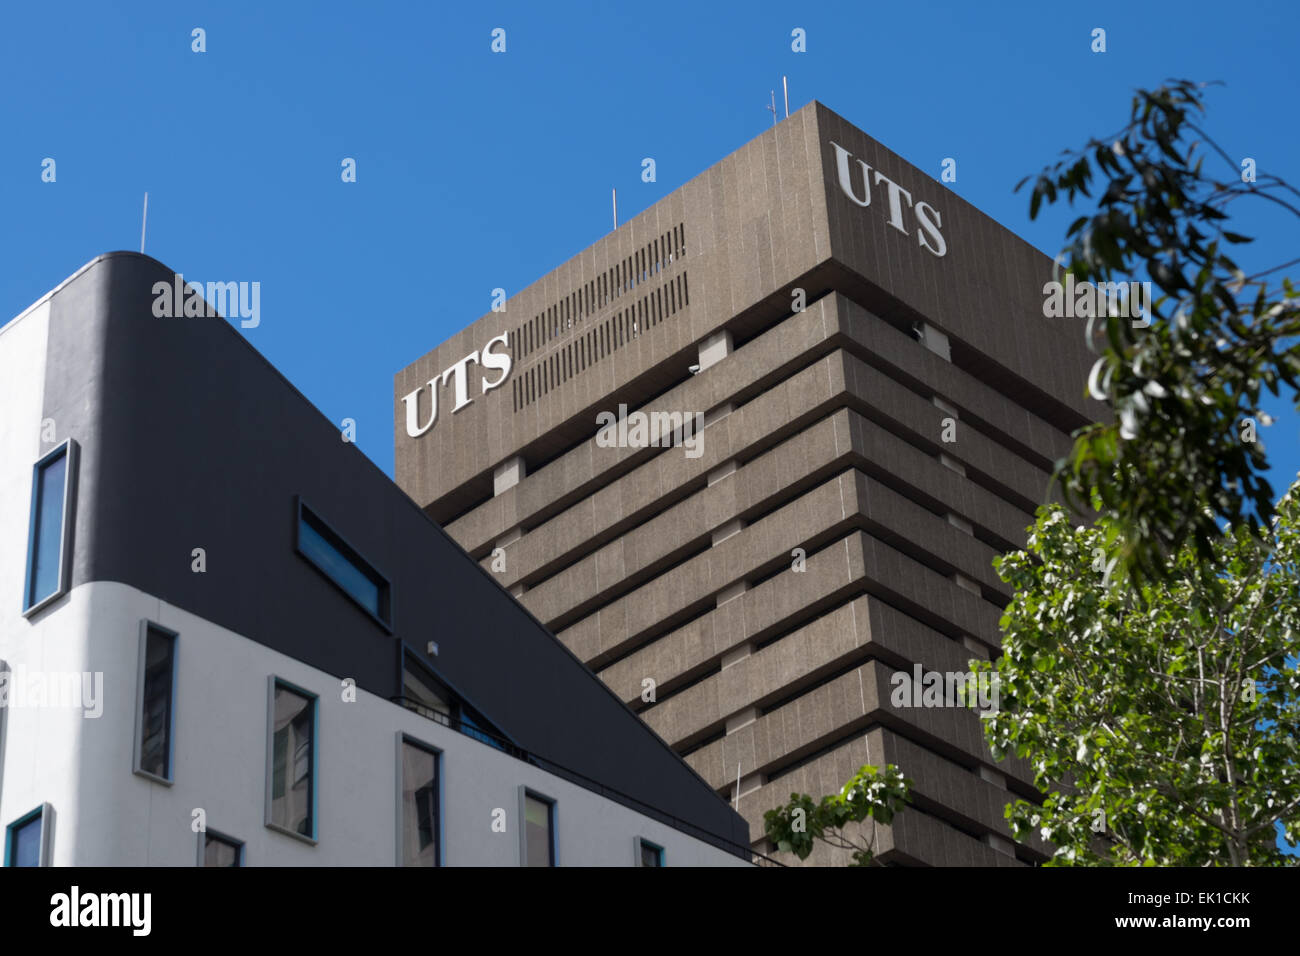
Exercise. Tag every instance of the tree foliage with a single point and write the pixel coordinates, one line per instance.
(1173, 464)
(1162, 725)
(872, 794)
(1149, 668)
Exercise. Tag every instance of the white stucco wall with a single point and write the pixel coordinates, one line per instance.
(108, 815)
(22, 385)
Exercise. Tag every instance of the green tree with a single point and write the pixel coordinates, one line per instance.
(1162, 725)
(1178, 458)
(1149, 668)
(871, 795)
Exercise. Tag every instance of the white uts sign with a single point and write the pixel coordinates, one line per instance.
(459, 374)
(928, 220)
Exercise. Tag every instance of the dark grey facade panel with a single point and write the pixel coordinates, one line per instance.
(191, 439)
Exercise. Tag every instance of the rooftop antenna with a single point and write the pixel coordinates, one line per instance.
(785, 87)
(615, 192)
(772, 107)
(144, 221)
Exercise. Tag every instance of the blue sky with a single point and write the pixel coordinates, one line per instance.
(460, 150)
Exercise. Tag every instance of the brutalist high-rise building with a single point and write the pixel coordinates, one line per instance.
(750, 457)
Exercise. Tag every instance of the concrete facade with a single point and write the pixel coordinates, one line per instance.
(881, 400)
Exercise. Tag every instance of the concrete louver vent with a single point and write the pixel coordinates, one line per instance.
(590, 347)
(619, 279)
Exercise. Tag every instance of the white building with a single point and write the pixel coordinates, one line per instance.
(239, 643)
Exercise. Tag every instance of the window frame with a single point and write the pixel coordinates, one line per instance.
(640, 843)
(424, 673)
(45, 813)
(239, 845)
(552, 820)
(138, 754)
(461, 716)
(273, 683)
(67, 514)
(403, 740)
(340, 544)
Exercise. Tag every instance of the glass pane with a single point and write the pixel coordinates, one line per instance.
(537, 815)
(470, 728)
(291, 784)
(156, 719)
(650, 855)
(26, 847)
(418, 690)
(219, 852)
(47, 546)
(419, 807)
(346, 574)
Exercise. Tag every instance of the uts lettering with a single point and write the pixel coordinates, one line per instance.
(459, 374)
(927, 217)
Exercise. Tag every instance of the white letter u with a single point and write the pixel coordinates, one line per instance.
(842, 164)
(412, 403)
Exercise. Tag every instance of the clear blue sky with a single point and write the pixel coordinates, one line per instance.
(462, 151)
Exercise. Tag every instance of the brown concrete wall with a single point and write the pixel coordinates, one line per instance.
(985, 291)
(750, 222)
(753, 225)
(827, 433)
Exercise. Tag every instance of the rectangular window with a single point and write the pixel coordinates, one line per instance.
(156, 680)
(538, 830)
(291, 798)
(649, 854)
(336, 559)
(25, 840)
(48, 550)
(419, 814)
(216, 849)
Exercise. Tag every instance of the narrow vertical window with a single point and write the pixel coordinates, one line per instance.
(419, 814)
(25, 840)
(292, 784)
(157, 681)
(539, 830)
(53, 486)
